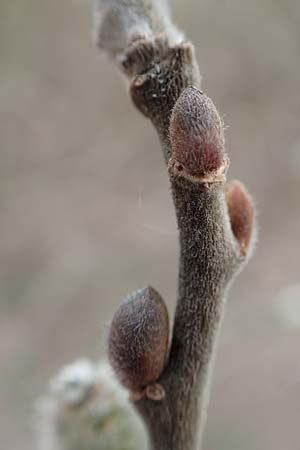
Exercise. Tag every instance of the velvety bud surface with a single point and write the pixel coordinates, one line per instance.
(241, 212)
(138, 339)
(197, 133)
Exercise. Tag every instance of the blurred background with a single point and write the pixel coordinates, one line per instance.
(86, 215)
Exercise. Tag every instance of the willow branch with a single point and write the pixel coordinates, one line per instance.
(215, 222)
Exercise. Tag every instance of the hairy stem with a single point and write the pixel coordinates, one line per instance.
(208, 260)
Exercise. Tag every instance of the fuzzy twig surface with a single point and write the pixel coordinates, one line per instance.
(215, 221)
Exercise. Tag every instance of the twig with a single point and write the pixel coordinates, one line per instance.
(215, 222)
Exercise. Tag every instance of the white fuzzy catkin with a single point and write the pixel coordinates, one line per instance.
(86, 409)
(116, 22)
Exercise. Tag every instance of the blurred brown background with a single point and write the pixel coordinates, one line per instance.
(86, 215)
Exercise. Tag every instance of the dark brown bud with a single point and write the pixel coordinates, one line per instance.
(139, 338)
(197, 133)
(241, 212)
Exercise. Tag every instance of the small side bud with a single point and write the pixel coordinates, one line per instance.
(197, 133)
(139, 338)
(241, 212)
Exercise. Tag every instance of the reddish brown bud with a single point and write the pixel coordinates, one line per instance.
(197, 133)
(139, 338)
(241, 212)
